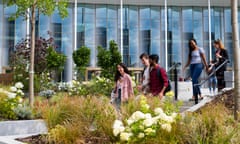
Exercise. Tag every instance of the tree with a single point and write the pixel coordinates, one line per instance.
(55, 61)
(81, 58)
(234, 5)
(20, 55)
(108, 59)
(27, 9)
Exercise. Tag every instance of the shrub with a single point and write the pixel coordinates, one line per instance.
(81, 58)
(144, 125)
(213, 124)
(108, 59)
(80, 118)
(23, 112)
(7, 106)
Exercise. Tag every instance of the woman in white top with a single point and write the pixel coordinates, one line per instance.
(144, 87)
(196, 59)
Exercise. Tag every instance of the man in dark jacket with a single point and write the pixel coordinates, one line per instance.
(158, 77)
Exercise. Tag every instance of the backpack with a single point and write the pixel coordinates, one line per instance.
(169, 87)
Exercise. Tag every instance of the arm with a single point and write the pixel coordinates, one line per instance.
(165, 82)
(130, 87)
(187, 64)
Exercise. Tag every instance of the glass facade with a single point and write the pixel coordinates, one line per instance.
(143, 31)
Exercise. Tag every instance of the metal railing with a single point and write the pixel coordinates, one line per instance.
(205, 80)
(213, 72)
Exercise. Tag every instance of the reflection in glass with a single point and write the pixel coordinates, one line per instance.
(112, 12)
(101, 11)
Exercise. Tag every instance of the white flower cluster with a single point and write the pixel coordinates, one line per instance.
(63, 86)
(16, 90)
(140, 125)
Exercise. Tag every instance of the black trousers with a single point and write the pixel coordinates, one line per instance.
(220, 80)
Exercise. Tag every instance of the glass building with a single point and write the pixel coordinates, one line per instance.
(161, 27)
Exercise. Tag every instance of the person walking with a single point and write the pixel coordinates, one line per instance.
(144, 86)
(221, 55)
(196, 60)
(212, 82)
(158, 77)
(123, 85)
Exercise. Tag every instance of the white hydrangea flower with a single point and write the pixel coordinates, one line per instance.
(130, 121)
(148, 131)
(137, 116)
(167, 127)
(11, 95)
(19, 85)
(20, 100)
(20, 105)
(141, 135)
(117, 123)
(124, 136)
(148, 116)
(117, 131)
(19, 91)
(117, 127)
(174, 115)
(166, 118)
(13, 89)
(148, 122)
(158, 111)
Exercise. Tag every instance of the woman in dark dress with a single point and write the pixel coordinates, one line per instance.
(221, 55)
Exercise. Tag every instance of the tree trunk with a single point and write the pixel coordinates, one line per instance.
(235, 36)
(31, 71)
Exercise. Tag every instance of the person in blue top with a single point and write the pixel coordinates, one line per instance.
(197, 61)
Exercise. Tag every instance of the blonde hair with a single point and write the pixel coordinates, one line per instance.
(220, 43)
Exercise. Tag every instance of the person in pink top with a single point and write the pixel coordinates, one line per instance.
(123, 84)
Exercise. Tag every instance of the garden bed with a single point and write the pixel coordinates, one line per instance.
(226, 97)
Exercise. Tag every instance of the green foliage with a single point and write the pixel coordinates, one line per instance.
(45, 7)
(23, 112)
(108, 59)
(55, 60)
(7, 106)
(81, 58)
(97, 86)
(100, 86)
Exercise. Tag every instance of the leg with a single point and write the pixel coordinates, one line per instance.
(196, 70)
(220, 80)
(214, 84)
(210, 85)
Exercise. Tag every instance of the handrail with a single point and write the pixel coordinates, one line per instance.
(226, 61)
(175, 65)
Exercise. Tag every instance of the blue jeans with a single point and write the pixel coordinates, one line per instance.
(195, 71)
(118, 100)
(212, 83)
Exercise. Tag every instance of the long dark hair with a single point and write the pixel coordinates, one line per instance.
(190, 47)
(118, 75)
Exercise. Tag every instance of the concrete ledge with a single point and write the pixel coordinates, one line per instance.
(10, 130)
(200, 104)
(4, 140)
(22, 127)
